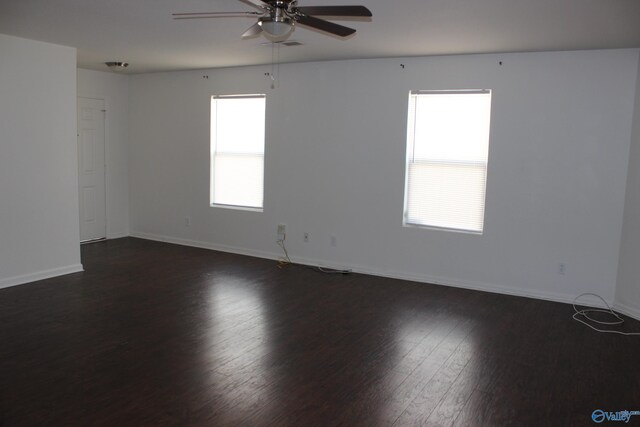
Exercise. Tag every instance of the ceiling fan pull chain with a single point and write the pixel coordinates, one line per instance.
(278, 64)
(273, 78)
(273, 47)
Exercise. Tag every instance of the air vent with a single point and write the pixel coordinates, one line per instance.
(116, 65)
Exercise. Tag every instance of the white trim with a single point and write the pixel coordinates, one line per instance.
(205, 245)
(117, 235)
(474, 286)
(40, 275)
(435, 280)
(627, 310)
(105, 116)
(237, 207)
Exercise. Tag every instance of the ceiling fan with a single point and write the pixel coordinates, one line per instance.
(277, 18)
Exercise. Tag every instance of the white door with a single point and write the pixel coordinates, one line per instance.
(91, 169)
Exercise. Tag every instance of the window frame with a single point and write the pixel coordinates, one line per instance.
(213, 151)
(410, 150)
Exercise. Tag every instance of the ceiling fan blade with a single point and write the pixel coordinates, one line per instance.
(335, 10)
(321, 24)
(254, 30)
(198, 15)
(258, 4)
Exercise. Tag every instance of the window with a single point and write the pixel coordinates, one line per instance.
(237, 151)
(447, 151)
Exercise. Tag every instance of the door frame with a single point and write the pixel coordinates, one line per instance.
(104, 143)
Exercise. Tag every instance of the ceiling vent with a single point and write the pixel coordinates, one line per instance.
(116, 65)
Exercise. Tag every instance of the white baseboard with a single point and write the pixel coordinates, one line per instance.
(117, 235)
(627, 310)
(476, 286)
(206, 245)
(40, 275)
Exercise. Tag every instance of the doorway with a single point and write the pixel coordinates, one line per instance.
(91, 169)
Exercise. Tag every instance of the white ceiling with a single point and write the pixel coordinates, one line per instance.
(142, 32)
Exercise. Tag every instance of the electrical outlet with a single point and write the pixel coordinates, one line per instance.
(333, 241)
(562, 268)
(187, 221)
(282, 231)
(306, 237)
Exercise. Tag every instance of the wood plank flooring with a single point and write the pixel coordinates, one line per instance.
(153, 334)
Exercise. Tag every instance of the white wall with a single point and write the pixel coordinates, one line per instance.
(628, 289)
(38, 161)
(560, 135)
(114, 89)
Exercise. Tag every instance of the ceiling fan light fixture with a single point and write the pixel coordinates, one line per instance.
(276, 28)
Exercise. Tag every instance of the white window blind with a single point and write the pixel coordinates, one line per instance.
(237, 151)
(447, 154)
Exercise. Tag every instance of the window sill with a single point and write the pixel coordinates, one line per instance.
(237, 208)
(436, 228)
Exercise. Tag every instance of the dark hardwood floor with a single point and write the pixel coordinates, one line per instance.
(153, 334)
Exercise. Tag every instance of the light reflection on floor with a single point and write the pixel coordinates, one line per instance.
(250, 340)
(237, 344)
